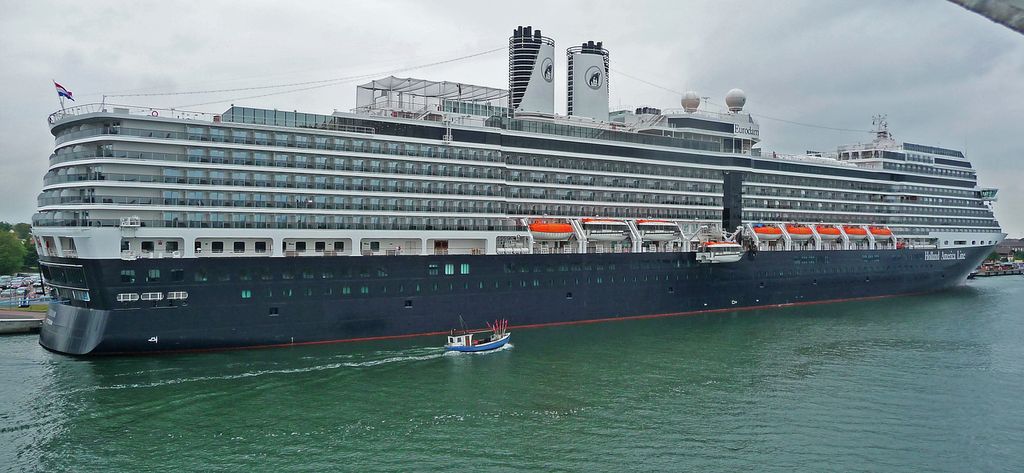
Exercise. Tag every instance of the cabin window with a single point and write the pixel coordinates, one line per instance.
(300, 246)
(364, 290)
(464, 268)
(346, 290)
(153, 275)
(449, 269)
(128, 276)
(273, 311)
(408, 304)
(246, 294)
(339, 246)
(201, 276)
(217, 246)
(177, 275)
(568, 295)
(432, 269)
(260, 246)
(239, 247)
(320, 246)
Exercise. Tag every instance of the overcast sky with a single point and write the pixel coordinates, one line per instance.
(945, 76)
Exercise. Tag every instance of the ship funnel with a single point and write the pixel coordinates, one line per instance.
(531, 72)
(588, 81)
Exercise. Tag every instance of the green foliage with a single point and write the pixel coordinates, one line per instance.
(6, 227)
(22, 230)
(1018, 255)
(31, 259)
(12, 253)
(994, 256)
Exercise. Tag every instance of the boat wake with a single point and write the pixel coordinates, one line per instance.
(507, 346)
(380, 358)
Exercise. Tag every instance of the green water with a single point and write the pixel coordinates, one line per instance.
(922, 383)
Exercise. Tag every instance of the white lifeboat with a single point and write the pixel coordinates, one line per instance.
(657, 230)
(605, 229)
(719, 252)
(550, 231)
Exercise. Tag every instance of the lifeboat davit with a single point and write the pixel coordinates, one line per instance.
(827, 232)
(856, 233)
(767, 233)
(657, 230)
(799, 232)
(881, 233)
(604, 229)
(549, 231)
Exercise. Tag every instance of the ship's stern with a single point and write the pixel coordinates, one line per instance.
(73, 330)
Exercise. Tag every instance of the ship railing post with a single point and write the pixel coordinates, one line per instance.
(785, 236)
(871, 238)
(817, 237)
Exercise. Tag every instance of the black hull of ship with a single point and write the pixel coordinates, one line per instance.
(406, 295)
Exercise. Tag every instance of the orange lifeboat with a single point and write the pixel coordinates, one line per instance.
(855, 233)
(767, 233)
(881, 233)
(799, 232)
(663, 223)
(827, 232)
(549, 231)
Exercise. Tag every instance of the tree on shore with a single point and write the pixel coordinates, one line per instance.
(22, 230)
(12, 253)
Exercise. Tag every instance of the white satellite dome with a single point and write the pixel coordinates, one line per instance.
(691, 101)
(735, 99)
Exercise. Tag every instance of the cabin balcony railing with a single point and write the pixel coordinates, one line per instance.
(228, 254)
(131, 255)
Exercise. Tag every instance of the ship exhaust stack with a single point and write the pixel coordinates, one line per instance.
(588, 81)
(531, 73)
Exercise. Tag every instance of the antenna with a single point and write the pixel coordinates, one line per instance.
(881, 126)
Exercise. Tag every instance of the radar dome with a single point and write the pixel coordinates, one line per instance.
(691, 101)
(735, 99)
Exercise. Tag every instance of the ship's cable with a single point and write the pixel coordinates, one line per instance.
(758, 115)
(323, 82)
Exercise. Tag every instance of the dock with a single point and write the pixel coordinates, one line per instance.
(999, 272)
(13, 321)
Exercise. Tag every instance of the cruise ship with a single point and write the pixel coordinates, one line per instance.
(166, 230)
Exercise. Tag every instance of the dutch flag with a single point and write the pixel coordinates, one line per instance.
(62, 92)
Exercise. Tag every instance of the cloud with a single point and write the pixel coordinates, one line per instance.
(944, 75)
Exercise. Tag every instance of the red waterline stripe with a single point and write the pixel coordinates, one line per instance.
(527, 326)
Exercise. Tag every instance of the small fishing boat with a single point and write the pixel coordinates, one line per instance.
(478, 340)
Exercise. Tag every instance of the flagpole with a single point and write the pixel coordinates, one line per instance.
(59, 96)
